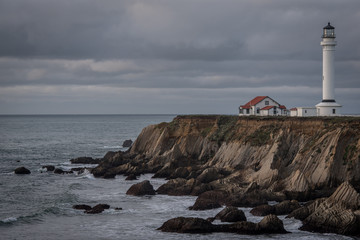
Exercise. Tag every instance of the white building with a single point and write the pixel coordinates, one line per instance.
(328, 106)
(263, 106)
(303, 112)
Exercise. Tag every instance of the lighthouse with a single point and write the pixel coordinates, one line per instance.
(328, 105)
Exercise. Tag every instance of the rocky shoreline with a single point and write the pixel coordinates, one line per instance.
(246, 162)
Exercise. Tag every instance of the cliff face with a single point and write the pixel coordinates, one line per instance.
(279, 154)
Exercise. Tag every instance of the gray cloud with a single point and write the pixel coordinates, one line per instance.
(204, 47)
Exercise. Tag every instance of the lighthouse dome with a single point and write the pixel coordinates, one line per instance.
(328, 31)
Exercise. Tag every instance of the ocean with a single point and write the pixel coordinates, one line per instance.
(39, 205)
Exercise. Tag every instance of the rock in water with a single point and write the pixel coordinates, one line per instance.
(49, 168)
(131, 177)
(187, 225)
(22, 170)
(271, 224)
(337, 214)
(98, 209)
(127, 143)
(82, 207)
(231, 214)
(140, 189)
(263, 210)
(85, 160)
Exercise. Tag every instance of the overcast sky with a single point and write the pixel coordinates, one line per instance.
(172, 56)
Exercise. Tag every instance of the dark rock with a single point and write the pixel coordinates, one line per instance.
(118, 209)
(338, 213)
(142, 188)
(187, 225)
(22, 170)
(209, 175)
(98, 209)
(239, 228)
(286, 207)
(131, 177)
(127, 143)
(271, 224)
(263, 210)
(179, 187)
(85, 160)
(82, 207)
(209, 200)
(181, 172)
(251, 199)
(109, 175)
(49, 168)
(231, 214)
(60, 171)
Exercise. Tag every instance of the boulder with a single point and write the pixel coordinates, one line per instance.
(337, 214)
(131, 177)
(60, 171)
(22, 170)
(109, 175)
(271, 224)
(181, 186)
(98, 209)
(286, 207)
(82, 207)
(251, 199)
(49, 168)
(85, 160)
(263, 210)
(127, 143)
(209, 200)
(231, 214)
(140, 189)
(187, 225)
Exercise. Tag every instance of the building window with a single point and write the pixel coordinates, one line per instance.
(305, 111)
(258, 110)
(247, 111)
(240, 111)
(266, 102)
(334, 111)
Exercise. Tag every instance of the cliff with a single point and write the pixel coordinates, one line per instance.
(288, 155)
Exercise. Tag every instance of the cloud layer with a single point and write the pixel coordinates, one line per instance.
(159, 56)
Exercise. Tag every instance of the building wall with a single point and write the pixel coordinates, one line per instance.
(306, 111)
(293, 113)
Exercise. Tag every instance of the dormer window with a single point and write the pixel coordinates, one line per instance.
(266, 102)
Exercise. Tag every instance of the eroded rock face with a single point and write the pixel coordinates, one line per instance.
(337, 214)
(22, 170)
(140, 189)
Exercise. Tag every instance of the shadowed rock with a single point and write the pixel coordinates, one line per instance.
(60, 171)
(271, 224)
(85, 160)
(22, 170)
(187, 225)
(282, 208)
(231, 214)
(262, 210)
(82, 207)
(209, 200)
(338, 213)
(98, 209)
(140, 189)
(49, 168)
(127, 143)
(131, 177)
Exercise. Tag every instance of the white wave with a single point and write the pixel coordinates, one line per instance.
(112, 147)
(9, 219)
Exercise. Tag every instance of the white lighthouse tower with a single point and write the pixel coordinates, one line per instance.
(328, 106)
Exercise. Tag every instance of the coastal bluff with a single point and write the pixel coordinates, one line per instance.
(291, 158)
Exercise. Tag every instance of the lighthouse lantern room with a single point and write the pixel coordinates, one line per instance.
(328, 106)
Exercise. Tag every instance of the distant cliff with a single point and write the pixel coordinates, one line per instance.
(231, 152)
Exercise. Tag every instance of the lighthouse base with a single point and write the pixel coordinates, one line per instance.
(328, 109)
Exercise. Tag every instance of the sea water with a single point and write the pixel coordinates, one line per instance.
(39, 205)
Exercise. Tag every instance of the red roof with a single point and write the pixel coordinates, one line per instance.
(293, 109)
(267, 108)
(254, 101)
(282, 107)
